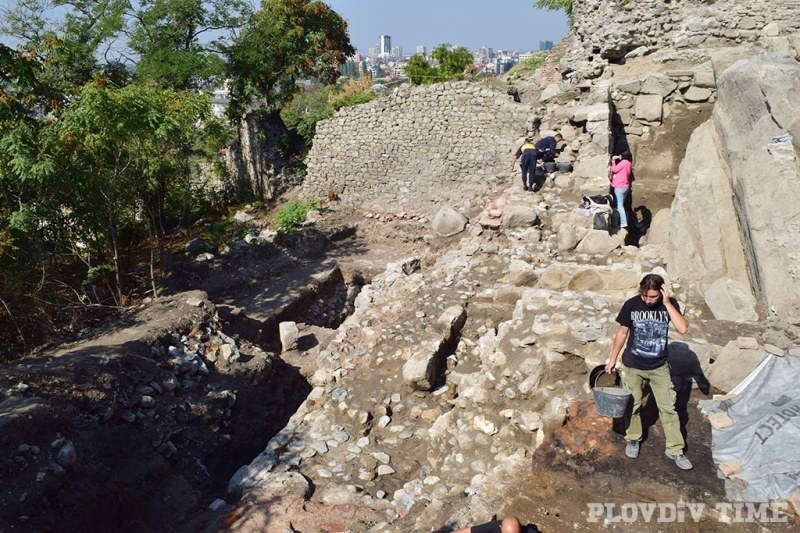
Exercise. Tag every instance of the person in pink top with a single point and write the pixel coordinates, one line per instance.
(620, 170)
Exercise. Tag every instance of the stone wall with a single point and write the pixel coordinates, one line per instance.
(417, 148)
(611, 29)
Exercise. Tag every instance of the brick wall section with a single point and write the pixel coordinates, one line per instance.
(549, 70)
(418, 148)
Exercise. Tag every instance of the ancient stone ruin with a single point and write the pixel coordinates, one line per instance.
(451, 382)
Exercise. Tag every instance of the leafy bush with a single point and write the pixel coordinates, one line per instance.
(353, 92)
(451, 62)
(291, 216)
(319, 103)
(531, 63)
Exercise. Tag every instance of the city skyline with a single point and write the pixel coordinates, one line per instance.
(501, 24)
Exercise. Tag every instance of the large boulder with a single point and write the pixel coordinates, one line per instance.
(448, 221)
(648, 107)
(730, 300)
(705, 244)
(756, 108)
(519, 216)
(598, 242)
(658, 233)
(732, 365)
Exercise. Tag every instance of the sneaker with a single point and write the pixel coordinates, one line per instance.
(632, 449)
(680, 460)
(526, 188)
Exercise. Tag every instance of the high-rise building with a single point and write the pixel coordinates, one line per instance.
(397, 51)
(422, 50)
(373, 51)
(385, 45)
(545, 45)
(484, 55)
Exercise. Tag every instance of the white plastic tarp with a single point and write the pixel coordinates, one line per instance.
(765, 435)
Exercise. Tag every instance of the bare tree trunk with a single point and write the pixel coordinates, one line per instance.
(14, 321)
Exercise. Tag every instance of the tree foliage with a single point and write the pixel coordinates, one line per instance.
(556, 5)
(321, 101)
(70, 46)
(106, 140)
(451, 63)
(286, 40)
(166, 34)
(109, 163)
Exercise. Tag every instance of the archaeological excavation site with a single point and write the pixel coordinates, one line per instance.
(423, 354)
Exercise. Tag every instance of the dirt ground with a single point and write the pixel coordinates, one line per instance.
(581, 480)
(91, 393)
(150, 460)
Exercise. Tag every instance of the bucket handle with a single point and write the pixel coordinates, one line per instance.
(594, 383)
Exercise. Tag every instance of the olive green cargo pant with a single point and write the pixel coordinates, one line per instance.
(664, 393)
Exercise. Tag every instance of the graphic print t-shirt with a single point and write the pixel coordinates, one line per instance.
(647, 339)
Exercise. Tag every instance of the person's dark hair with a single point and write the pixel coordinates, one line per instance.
(651, 282)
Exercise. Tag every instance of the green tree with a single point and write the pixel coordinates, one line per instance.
(69, 46)
(111, 161)
(286, 40)
(419, 71)
(451, 63)
(556, 5)
(168, 36)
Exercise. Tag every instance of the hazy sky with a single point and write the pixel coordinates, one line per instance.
(498, 24)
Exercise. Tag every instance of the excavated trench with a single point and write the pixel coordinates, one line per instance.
(267, 399)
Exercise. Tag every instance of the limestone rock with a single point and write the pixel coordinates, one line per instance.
(598, 242)
(648, 107)
(732, 366)
(448, 221)
(420, 371)
(752, 102)
(289, 334)
(704, 248)
(697, 94)
(522, 273)
(242, 218)
(551, 91)
(658, 233)
(519, 216)
(771, 30)
(566, 238)
(453, 319)
(658, 84)
(704, 76)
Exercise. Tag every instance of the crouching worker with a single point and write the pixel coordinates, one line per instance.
(507, 525)
(644, 321)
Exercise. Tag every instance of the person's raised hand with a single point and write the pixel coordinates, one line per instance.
(665, 293)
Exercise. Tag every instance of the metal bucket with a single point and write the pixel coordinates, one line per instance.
(564, 166)
(549, 166)
(608, 401)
